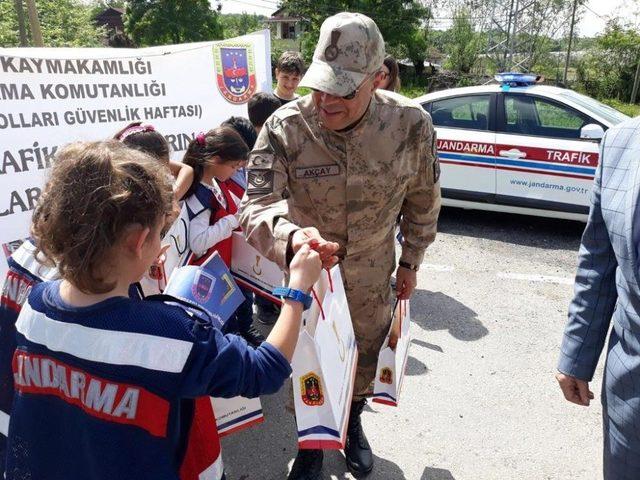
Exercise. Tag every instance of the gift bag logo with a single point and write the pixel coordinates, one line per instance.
(202, 287)
(155, 272)
(311, 390)
(386, 375)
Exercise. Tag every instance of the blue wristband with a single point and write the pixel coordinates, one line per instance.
(295, 295)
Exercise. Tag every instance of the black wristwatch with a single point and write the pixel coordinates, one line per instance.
(409, 266)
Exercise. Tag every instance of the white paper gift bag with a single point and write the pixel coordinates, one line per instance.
(393, 361)
(236, 414)
(253, 270)
(324, 366)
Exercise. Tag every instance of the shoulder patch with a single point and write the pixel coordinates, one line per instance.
(260, 182)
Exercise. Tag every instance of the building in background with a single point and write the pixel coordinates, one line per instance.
(112, 21)
(284, 26)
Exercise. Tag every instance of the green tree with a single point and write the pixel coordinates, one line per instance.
(398, 20)
(98, 6)
(416, 49)
(235, 25)
(463, 46)
(64, 23)
(609, 69)
(158, 22)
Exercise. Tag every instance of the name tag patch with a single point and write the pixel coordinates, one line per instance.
(319, 171)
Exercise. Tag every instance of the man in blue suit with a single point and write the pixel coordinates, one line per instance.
(606, 289)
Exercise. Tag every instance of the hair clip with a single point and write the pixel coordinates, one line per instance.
(136, 129)
(200, 138)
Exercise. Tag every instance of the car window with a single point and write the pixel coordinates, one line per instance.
(611, 115)
(536, 116)
(471, 112)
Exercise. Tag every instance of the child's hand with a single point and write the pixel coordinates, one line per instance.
(304, 269)
(311, 236)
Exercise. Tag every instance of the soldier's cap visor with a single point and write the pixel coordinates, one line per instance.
(332, 80)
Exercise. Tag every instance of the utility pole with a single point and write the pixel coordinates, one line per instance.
(24, 42)
(636, 81)
(34, 23)
(573, 21)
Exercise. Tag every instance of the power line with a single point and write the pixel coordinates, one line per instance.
(250, 4)
(594, 12)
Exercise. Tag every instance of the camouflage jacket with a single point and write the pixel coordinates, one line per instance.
(350, 185)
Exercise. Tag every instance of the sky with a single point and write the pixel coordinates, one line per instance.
(592, 22)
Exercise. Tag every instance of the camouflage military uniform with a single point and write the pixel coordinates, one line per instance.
(351, 186)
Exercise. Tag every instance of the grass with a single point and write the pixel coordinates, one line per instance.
(631, 109)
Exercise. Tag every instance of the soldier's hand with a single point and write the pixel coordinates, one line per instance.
(311, 236)
(305, 269)
(406, 282)
(575, 390)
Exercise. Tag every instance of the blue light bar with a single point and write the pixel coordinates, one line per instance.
(514, 79)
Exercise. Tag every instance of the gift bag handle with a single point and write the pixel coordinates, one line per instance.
(330, 280)
(398, 308)
(315, 295)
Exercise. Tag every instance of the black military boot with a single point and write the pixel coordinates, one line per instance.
(357, 451)
(307, 465)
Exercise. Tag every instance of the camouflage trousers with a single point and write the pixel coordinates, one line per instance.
(370, 308)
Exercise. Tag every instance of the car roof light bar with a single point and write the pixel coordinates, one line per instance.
(514, 79)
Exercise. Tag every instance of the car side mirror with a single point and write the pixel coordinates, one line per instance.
(592, 131)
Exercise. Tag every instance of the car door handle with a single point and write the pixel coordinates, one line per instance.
(513, 153)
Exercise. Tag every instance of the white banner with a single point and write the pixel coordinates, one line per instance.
(52, 96)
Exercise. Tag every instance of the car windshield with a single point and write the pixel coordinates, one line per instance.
(608, 113)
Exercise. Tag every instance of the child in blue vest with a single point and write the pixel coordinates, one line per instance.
(211, 202)
(103, 382)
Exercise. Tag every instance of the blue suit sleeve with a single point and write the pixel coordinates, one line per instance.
(225, 366)
(595, 295)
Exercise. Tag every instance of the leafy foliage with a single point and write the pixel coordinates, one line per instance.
(158, 22)
(64, 23)
(464, 43)
(400, 21)
(609, 69)
(235, 25)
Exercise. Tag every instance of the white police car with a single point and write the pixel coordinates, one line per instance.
(518, 147)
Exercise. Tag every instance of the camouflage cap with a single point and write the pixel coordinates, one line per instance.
(350, 49)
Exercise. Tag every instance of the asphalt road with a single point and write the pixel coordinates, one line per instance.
(480, 400)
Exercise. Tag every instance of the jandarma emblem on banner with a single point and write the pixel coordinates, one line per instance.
(386, 376)
(235, 71)
(311, 390)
